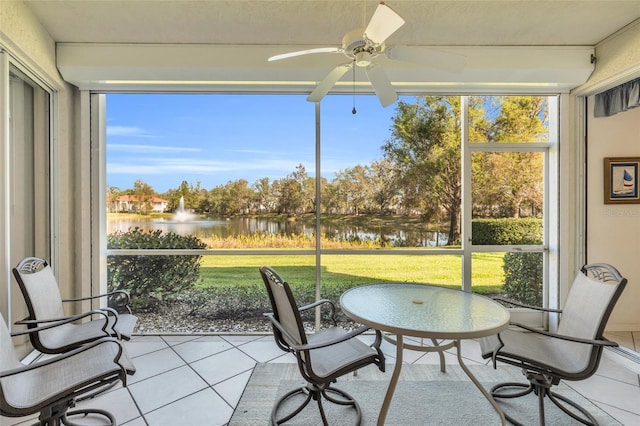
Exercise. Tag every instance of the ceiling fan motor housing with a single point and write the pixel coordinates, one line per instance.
(356, 47)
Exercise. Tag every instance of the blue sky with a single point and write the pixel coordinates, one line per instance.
(165, 139)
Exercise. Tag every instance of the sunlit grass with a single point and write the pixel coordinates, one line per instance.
(350, 270)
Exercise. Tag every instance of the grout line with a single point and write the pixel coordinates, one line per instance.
(211, 386)
(137, 406)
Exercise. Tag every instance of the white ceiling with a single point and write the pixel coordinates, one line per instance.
(263, 28)
(324, 22)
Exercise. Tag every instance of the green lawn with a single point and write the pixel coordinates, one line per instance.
(350, 270)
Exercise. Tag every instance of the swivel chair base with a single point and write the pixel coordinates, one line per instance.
(317, 393)
(540, 386)
(58, 415)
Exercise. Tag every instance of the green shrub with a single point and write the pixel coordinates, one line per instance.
(148, 278)
(252, 301)
(523, 277)
(506, 231)
(522, 271)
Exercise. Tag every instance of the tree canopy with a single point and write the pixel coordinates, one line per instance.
(419, 172)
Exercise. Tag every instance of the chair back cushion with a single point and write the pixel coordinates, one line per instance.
(589, 305)
(284, 307)
(39, 288)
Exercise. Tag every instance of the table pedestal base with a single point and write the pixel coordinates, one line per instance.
(398, 341)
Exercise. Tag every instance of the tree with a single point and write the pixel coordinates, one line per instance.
(307, 187)
(331, 200)
(505, 183)
(145, 193)
(215, 200)
(351, 185)
(113, 192)
(238, 196)
(191, 194)
(384, 185)
(263, 196)
(288, 194)
(425, 148)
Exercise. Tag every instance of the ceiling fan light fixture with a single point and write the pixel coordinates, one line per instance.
(363, 59)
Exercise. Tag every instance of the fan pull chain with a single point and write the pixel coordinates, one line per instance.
(353, 111)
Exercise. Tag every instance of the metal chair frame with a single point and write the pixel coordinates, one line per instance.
(543, 375)
(54, 403)
(290, 336)
(110, 318)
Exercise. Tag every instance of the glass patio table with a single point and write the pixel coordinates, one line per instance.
(425, 311)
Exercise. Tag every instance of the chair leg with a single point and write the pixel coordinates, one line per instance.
(588, 419)
(348, 400)
(288, 395)
(542, 388)
(317, 393)
(58, 414)
(497, 392)
(110, 417)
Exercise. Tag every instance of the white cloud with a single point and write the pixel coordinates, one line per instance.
(130, 131)
(159, 166)
(149, 149)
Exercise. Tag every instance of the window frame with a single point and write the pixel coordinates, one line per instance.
(550, 150)
(41, 180)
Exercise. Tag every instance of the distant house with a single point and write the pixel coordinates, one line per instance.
(132, 203)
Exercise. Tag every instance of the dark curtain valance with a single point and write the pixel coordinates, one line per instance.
(620, 98)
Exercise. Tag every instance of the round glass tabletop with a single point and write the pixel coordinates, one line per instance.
(423, 310)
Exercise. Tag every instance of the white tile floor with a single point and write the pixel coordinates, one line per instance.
(198, 380)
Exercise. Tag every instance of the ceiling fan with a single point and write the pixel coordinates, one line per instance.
(363, 45)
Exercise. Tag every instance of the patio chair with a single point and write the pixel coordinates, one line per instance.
(52, 386)
(45, 305)
(322, 356)
(572, 353)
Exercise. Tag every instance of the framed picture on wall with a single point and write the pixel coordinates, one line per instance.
(621, 180)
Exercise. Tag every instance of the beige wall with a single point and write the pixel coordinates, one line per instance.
(23, 38)
(613, 230)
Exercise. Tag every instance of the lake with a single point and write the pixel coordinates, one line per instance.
(233, 227)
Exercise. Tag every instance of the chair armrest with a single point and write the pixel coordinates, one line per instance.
(604, 342)
(120, 293)
(332, 308)
(111, 293)
(109, 311)
(63, 355)
(54, 322)
(314, 304)
(524, 305)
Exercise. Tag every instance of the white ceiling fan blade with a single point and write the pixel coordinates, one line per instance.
(305, 52)
(438, 59)
(325, 85)
(383, 88)
(384, 22)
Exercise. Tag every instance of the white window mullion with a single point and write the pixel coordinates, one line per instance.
(466, 195)
(5, 242)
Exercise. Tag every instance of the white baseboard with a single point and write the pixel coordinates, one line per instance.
(626, 357)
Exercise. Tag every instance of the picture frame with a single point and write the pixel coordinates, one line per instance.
(621, 180)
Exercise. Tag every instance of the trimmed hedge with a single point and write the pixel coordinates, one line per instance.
(522, 271)
(506, 231)
(150, 279)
